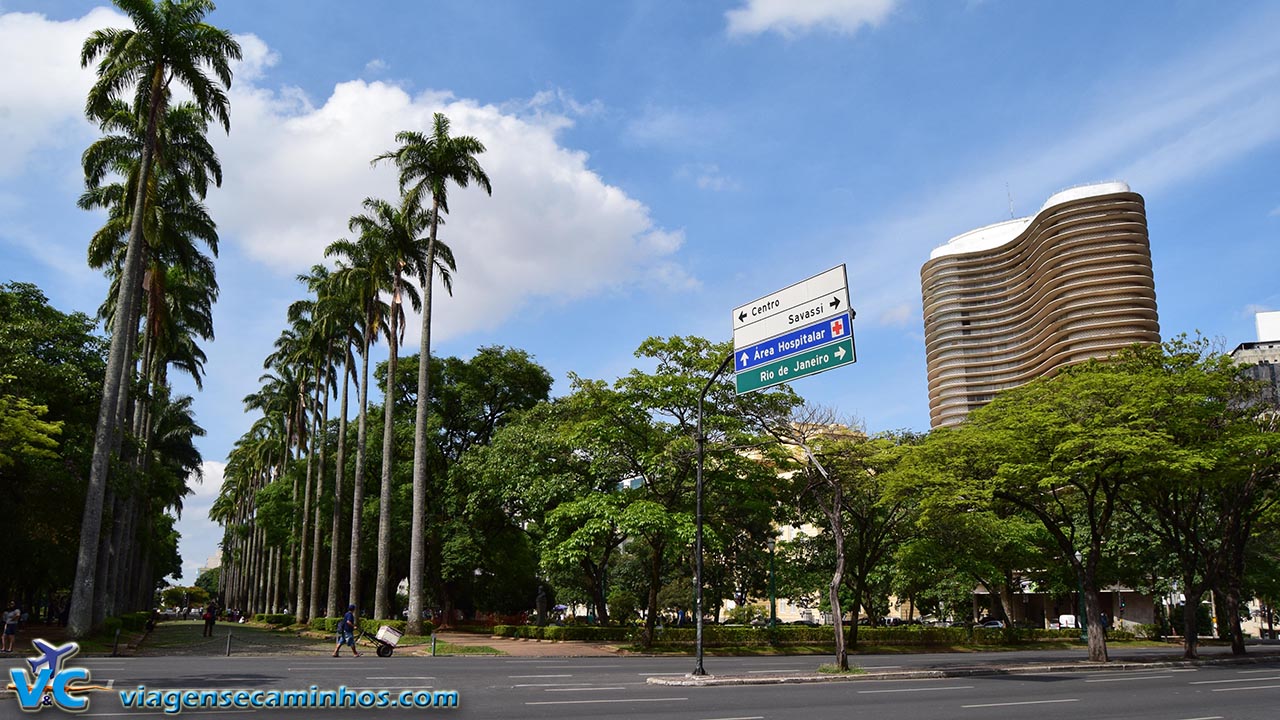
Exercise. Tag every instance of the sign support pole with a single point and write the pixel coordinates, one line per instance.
(697, 581)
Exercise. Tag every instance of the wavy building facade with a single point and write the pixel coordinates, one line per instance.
(1010, 302)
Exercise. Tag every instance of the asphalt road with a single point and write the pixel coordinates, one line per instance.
(564, 688)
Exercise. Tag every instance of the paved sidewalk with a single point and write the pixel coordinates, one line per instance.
(528, 648)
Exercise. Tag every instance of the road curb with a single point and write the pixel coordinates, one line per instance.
(723, 680)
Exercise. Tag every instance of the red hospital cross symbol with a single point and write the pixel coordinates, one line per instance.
(837, 328)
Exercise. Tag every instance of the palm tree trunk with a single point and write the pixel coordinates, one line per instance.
(335, 536)
(357, 490)
(381, 606)
(300, 609)
(314, 608)
(417, 548)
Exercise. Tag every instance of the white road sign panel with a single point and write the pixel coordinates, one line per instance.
(822, 296)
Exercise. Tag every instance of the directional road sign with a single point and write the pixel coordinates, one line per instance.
(800, 330)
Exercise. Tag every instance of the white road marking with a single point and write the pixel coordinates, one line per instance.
(543, 685)
(1246, 672)
(393, 687)
(923, 689)
(582, 689)
(334, 666)
(1130, 677)
(540, 676)
(401, 677)
(750, 717)
(591, 702)
(1238, 680)
(1027, 702)
(1252, 687)
(653, 674)
(1211, 717)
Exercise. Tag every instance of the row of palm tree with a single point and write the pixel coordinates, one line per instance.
(348, 308)
(150, 171)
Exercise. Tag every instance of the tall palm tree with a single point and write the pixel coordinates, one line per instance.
(290, 357)
(362, 270)
(341, 305)
(170, 42)
(178, 281)
(427, 164)
(394, 233)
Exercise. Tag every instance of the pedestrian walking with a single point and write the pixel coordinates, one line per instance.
(347, 631)
(12, 616)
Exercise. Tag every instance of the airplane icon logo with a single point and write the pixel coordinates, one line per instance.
(52, 656)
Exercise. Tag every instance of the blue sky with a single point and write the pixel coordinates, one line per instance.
(656, 164)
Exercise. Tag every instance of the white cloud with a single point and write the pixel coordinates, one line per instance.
(296, 173)
(42, 105)
(789, 17)
(560, 102)
(676, 127)
(1274, 213)
(375, 66)
(255, 59)
(901, 315)
(707, 176)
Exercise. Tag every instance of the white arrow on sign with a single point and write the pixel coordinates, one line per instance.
(839, 353)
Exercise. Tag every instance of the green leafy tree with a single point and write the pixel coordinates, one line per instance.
(845, 479)
(52, 366)
(208, 581)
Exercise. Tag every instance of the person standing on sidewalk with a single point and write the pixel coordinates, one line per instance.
(210, 616)
(347, 631)
(12, 616)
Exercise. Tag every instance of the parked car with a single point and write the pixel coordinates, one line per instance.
(993, 624)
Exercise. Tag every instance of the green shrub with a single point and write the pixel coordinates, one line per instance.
(590, 633)
(913, 635)
(275, 618)
(371, 626)
(1148, 632)
(135, 621)
(325, 624)
(112, 624)
(623, 605)
(747, 615)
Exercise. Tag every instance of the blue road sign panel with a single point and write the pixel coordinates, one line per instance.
(796, 341)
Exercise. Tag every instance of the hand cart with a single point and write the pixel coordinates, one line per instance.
(385, 640)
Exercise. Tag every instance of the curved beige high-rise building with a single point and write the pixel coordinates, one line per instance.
(1010, 302)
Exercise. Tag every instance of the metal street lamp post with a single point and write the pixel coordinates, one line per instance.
(1082, 619)
(698, 669)
(773, 602)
